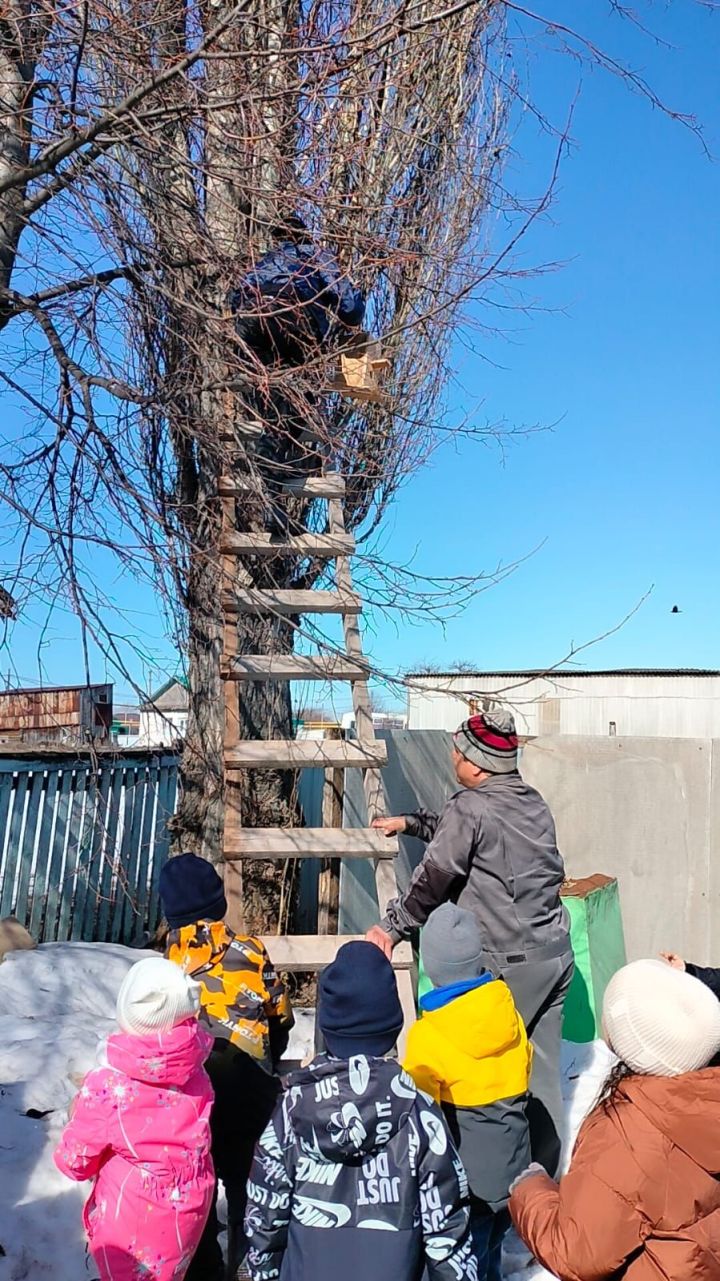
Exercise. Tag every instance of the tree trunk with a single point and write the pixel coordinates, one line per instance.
(23, 31)
(257, 798)
(269, 798)
(199, 822)
(242, 188)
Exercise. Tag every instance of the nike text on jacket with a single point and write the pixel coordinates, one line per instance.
(355, 1147)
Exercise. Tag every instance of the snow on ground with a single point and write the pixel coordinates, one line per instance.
(56, 1007)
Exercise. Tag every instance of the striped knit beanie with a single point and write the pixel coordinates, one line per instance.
(489, 741)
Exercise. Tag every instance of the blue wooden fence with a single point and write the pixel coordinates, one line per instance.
(82, 841)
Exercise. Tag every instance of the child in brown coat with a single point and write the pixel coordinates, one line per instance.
(641, 1200)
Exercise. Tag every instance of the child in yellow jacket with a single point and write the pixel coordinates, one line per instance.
(470, 1051)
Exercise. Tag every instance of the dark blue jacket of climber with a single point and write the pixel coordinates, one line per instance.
(295, 300)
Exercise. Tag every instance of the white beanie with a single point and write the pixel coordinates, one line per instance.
(661, 1021)
(155, 996)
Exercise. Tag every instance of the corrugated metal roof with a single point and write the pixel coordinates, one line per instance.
(173, 696)
(55, 689)
(566, 671)
(167, 685)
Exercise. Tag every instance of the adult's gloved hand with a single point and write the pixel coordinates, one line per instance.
(533, 1169)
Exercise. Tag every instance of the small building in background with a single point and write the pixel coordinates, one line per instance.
(316, 723)
(63, 714)
(163, 718)
(126, 725)
(639, 702)
(380, 720)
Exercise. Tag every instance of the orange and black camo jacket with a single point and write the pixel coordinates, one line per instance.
(240, 992)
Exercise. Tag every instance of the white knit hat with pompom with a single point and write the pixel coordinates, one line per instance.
(155, 996)
(661, 1021)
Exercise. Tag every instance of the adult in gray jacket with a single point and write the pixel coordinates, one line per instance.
(493, 851)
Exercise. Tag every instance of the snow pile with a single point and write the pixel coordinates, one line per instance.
(56, 1007)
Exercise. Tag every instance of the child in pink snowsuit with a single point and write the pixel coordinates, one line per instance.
(140, 1128)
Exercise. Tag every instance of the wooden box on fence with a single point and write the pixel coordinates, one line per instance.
(598, 941)
(361, 366)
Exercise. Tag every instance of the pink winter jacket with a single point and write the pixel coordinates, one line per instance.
(140, 1127)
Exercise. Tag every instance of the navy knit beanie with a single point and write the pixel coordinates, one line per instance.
(359, 1008)
(191, 890)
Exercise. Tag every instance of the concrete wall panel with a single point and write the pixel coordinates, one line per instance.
(637, 809)
(646, 810)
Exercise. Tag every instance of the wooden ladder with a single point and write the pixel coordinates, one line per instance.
(304, 952)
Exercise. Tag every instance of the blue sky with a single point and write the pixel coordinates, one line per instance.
(617, 356)
(620, 358)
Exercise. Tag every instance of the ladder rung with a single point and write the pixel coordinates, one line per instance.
(321, 545)
(294, 667)
(330, 486)
(289, 601)
(308, 842)
(251, 431)
(229, 486)
(315, 951)
(306, 753)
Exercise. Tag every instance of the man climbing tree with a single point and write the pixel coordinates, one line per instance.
(295, 301)
(290, 310)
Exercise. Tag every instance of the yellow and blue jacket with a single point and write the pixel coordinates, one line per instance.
(470, 1051)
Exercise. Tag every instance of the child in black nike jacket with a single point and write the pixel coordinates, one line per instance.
(355, 1145)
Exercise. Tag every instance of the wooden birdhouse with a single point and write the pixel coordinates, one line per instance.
(362, 365)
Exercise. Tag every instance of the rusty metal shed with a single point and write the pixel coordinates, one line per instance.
(66, 714)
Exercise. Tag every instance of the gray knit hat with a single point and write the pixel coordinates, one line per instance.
(451, 946)
(660, 1021)
(489, 740)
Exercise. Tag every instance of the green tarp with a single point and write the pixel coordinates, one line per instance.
(596, 931)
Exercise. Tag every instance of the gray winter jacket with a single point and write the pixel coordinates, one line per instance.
(492, 850)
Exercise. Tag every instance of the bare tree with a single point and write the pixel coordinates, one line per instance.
(146, 150)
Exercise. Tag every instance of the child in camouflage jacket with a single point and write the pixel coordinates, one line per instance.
(246, 1007)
